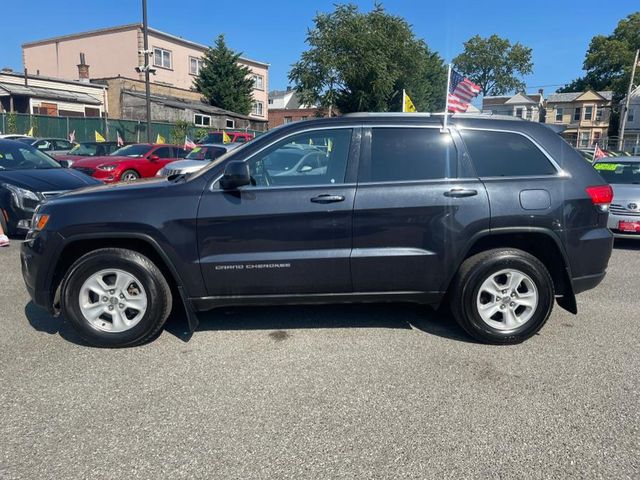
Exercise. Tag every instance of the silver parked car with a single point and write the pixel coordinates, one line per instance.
(197, 158)
(623, 173)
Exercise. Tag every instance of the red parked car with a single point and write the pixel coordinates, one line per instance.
(140, 160)
(234, 137)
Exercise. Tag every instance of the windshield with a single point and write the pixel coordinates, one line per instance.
(84, 150)
(133, 151)
(621, 173)
(23, 157)
(206, 153)
(28, 141)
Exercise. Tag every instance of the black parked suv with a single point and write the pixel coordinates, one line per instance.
(495, 217)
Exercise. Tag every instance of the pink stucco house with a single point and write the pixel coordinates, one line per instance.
(113, 52)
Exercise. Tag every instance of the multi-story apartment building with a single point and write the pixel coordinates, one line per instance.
(116, 51)
(632, 126)
(585, 114)
(529, 107)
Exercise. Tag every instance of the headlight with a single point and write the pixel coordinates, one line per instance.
(107, 168)
(24, 199)
(39, 221)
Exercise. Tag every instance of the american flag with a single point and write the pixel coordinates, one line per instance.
(188, 143)
(461, 91)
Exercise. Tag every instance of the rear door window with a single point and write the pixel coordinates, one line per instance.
(505, 154)
(406, 154)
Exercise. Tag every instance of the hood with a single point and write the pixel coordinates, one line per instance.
(94, 162)
(47, 180)
(626, 193)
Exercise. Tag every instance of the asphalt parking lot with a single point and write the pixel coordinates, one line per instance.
(376, 391)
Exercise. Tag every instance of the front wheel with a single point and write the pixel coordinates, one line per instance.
(129, 176)
(502, 296)
(115, 297)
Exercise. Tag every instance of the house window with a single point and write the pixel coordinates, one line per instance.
(631, 115)
(596, 138)
(583, 139)
(519, 112)
(576, 114)
(258, 82)
(161, 58)
(91, 112)
(258, 109)
(202, 120)
(195, 64)
(230, 123)
(559, 114)
(288, 119)
(599, 113)
(588, 112)
(304, 118)
(271, 101)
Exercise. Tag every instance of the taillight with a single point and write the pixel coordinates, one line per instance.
(601, 194)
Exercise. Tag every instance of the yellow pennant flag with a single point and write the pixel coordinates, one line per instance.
(160, 139)
(407, 104)
(225, 138)
(30, 132)
(99, 138)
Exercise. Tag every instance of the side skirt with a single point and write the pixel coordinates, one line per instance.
(209, 303)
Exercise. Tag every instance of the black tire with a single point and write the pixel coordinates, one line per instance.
(129, 173)
(469, 279)
(159, 299)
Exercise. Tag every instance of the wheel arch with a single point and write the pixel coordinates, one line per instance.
(78, 246)
(539, 242)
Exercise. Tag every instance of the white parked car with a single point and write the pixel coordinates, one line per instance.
(197, 158)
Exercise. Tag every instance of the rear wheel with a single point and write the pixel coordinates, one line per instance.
(129, 176)
(502, 296)
(115, 297)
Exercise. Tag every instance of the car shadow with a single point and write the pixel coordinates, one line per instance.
(626, 244)
(43, 321)
(283, 318)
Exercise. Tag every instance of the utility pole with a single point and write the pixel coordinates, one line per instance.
(147, 86)
(623, 121)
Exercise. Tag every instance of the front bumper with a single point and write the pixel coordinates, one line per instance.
(38, 258)
(614, 223)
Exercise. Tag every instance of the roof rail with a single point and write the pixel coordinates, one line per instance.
(387, 114)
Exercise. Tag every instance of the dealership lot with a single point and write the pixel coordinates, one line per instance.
(385, 391)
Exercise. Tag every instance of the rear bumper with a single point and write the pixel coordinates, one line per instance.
(582, 284)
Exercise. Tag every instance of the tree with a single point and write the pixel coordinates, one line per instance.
(362, 61)
(494, 64)
(223, 81)
(609, 59)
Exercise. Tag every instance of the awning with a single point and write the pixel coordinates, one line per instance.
(47, 93)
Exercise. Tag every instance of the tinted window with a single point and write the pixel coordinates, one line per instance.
(62, 145)
(399, 154)
(310, 158)
(14, 156)
(163, 152)
(503, 154)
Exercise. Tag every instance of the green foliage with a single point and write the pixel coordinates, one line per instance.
(12, 122)
(179, 132)
(362, 61)
(200, 134)
(609, 59)
(223, 82)
(494, 64)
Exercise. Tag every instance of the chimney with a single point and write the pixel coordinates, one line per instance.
(83, 70)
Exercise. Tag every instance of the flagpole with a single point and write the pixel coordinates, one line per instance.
(446, 100)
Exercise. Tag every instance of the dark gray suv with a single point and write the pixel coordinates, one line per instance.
(494, 217)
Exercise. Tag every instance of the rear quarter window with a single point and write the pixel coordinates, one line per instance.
(505, 154)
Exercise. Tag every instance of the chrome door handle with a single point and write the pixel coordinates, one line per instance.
(461, 192)
(327, 198)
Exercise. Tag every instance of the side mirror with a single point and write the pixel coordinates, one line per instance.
(236, 174)
(154, 158)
